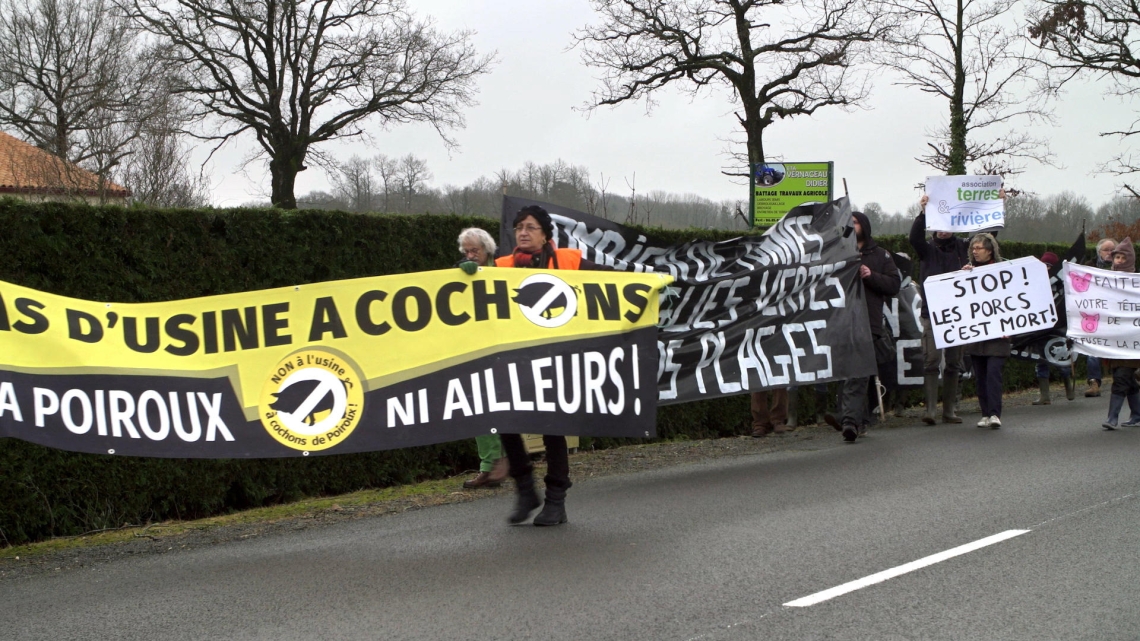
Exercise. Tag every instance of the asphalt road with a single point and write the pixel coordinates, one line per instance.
(710, 551)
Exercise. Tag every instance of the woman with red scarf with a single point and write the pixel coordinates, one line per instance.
(534, 250)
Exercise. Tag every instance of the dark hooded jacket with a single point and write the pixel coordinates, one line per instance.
(995, 347)
(1129, 266)
(1129, 252)
(936, 256)
(884, 281)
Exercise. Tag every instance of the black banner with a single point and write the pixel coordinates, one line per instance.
(750, 313)
(591, 387)
(902, 314)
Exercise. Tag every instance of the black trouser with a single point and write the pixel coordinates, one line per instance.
(987, 376)
(557, 459)
(856, 395)
(1124, 381)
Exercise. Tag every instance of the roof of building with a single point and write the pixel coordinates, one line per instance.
(26, 169)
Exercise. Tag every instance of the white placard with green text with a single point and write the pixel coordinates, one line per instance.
(964, 203)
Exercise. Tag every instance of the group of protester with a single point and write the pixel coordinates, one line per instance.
(505, 455)
(942, 253)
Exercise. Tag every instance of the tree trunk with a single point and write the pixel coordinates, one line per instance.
(956, 154)
(283, 170)
(754, 125)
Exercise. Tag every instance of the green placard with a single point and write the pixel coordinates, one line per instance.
(778, 187)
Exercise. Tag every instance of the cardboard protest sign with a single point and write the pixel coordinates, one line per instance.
(964, 203)
(1103, 308)
(1005, 299)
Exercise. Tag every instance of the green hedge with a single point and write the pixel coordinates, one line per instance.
(140, 255)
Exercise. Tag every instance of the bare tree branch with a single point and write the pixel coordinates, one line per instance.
(75, 80)
(1093, 39)
(297, 73)
(780, 58)
(963, 52)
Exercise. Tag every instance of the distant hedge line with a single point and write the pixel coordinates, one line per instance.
(143, 255)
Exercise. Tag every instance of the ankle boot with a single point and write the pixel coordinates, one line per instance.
(949, 399)
(1043, 398)
(930, 389)
(526, 502)
(1115, 402)
(1070, 388)
(1094, 388)
(554, 510)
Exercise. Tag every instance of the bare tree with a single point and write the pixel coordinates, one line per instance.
(781, 58)
(969, 53)
(157, 169)
(297, 73)
(411, 177)
(74, 80)
(354, 183)
(387, 168)
(1096, 39)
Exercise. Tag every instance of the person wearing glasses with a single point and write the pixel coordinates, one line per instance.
(478, 249)
(534, 249)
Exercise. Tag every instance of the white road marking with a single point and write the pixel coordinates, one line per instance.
(879, 577)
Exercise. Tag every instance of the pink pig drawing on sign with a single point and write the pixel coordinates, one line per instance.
(1080, 281)
(1089, 322)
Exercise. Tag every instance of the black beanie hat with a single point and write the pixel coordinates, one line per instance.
(540, 216)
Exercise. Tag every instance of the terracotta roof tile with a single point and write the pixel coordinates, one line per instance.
(26, 169)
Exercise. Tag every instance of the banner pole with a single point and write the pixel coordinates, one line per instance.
(879, 390)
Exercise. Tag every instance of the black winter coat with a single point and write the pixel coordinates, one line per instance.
(884, 281)
(936, 256)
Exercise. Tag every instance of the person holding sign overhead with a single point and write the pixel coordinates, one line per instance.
(942, 254)
(988, 356)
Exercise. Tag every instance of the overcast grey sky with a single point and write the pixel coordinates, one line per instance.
(529, 111)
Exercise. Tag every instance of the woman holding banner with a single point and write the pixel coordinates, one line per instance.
(534, 249)
(988, 356)
(1124, 386)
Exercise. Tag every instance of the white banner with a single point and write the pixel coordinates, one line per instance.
(1103, 307)
(964, 203)
(1008, 298)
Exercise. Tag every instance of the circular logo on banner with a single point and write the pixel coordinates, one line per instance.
(1057, 352)
(546, 300)
(312, 400)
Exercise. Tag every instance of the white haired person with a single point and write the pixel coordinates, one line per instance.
(478, 249)
(1102, 260)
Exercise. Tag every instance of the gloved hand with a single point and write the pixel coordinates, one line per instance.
(469, 267)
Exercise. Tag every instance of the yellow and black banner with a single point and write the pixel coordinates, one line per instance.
(335, 367)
